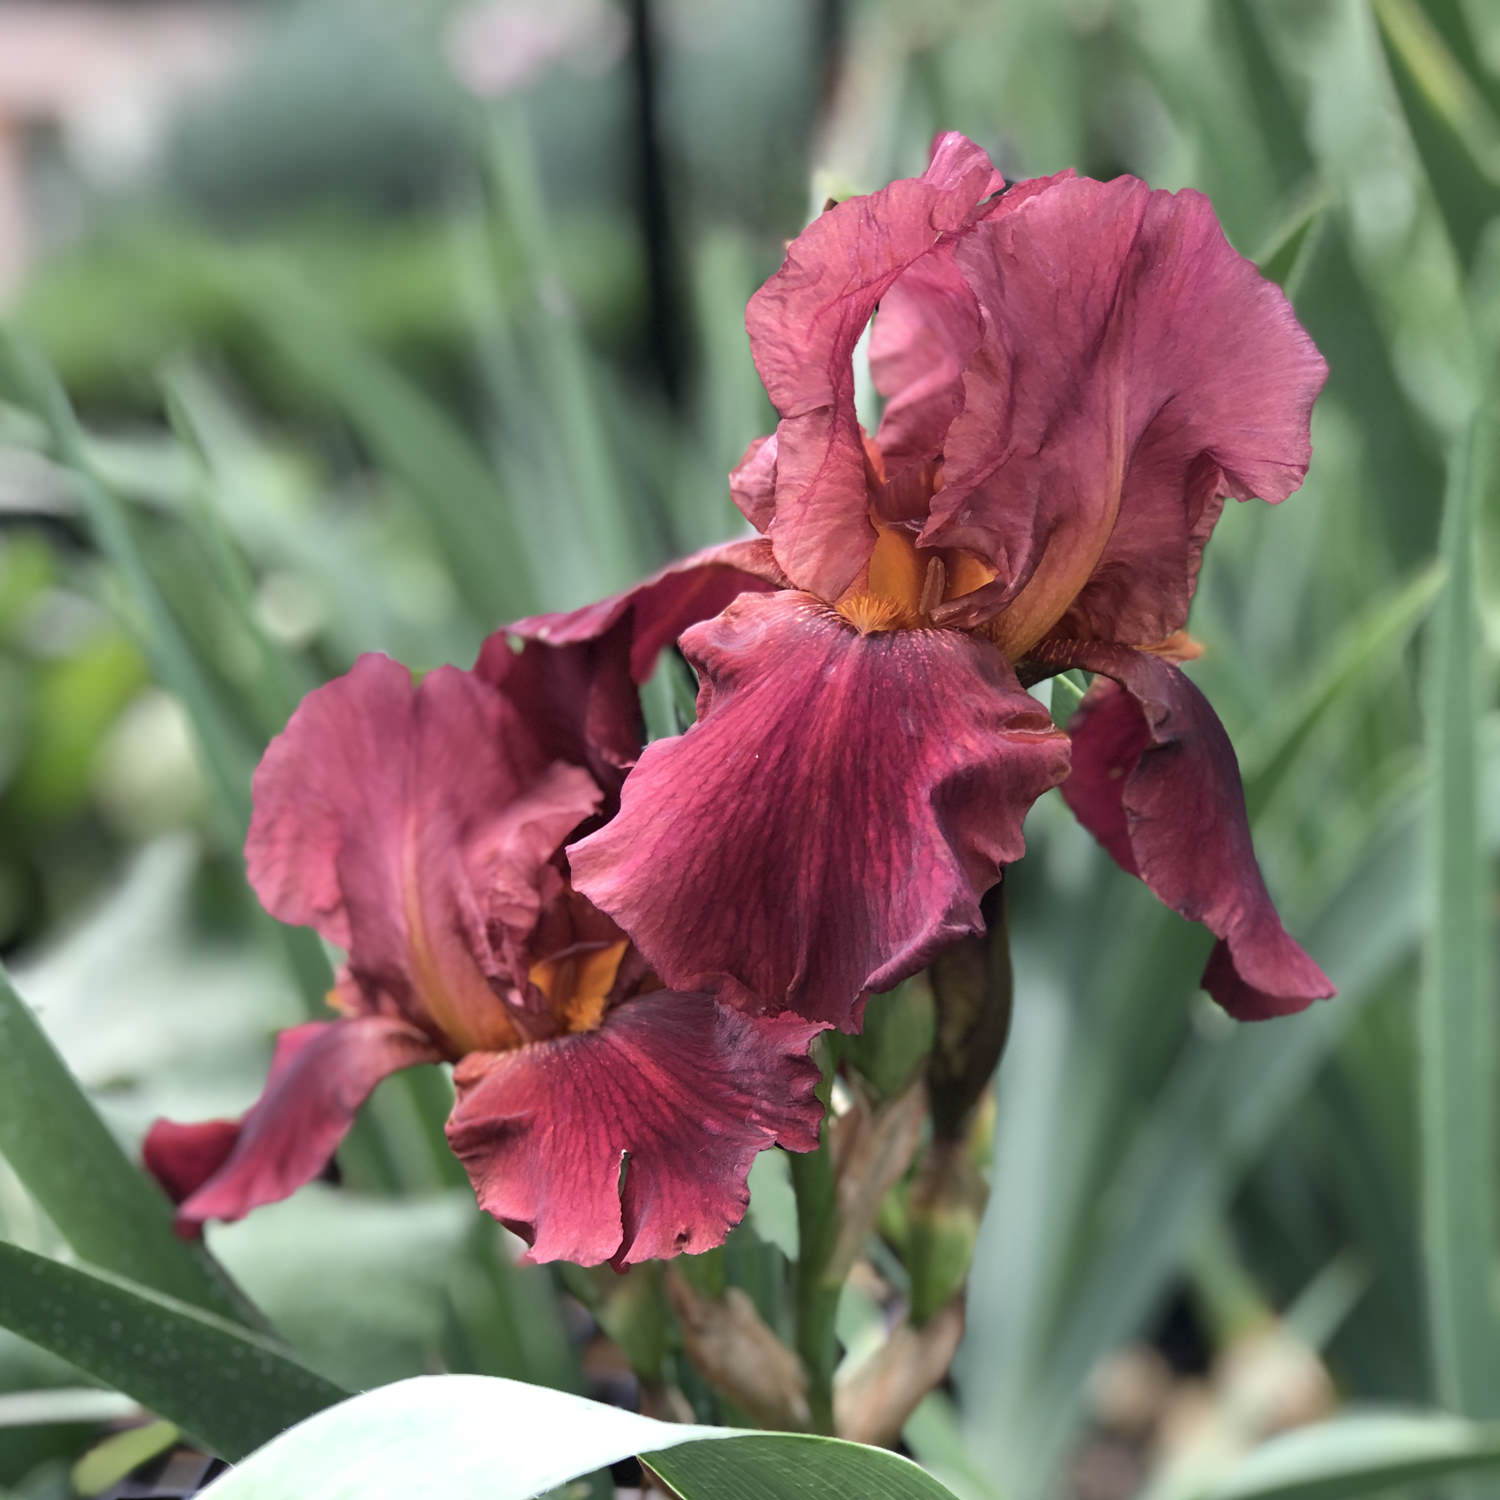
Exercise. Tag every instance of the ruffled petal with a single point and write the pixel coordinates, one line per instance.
(833, 817)
(653, 614)
(410, 824)
(1132, 371)
(678, 1090)
(804, 323)
(1155, 780)
(320, 1075)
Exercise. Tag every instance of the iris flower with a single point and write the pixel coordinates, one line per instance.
(1076, 375)
(418, 827)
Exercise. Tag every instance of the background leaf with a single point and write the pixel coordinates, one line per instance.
(230, 1389)
(105, 1208)
(469, 1436)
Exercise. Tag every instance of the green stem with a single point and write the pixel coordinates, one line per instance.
(817, 1295)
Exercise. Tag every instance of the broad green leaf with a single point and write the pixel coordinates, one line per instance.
(1457, 1071)
(474, 1437)
(98, 1199)
(767, 1466)
(231, 1389)
(1361, 1456)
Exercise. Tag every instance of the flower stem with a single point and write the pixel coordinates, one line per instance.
(817, 1294)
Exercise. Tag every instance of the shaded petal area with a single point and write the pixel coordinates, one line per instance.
(410, 824)
(653, 614)
(831, 819)
(1155, 780)
(680, 1090)
(320, 1075)
(924, 334)
(1133, 369)
(752, 482)
(579, 699)
(804, 323)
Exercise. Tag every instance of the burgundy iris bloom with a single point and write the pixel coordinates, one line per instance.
(1076, 375)
(600, 1115)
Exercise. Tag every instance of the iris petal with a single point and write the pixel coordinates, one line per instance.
(676, 1091)
(1155, 780)
(320, 1075)
(834, 816)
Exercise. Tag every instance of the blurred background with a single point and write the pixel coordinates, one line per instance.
(387, 321)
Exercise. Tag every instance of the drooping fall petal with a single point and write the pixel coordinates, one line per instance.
(804, 323)
(834, 815)
(1154, 778)
(408, 823)
(320, 1075)
(678, 1091)
(1133, 369)
(654, 613)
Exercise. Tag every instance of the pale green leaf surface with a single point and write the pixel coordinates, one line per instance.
(472, 1437)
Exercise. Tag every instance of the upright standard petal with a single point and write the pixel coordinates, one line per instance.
(833, 817)
(804, 323)
(411, 824)
(320, 1075)
(633, 1142)
(1133, 370)
(1155, 780)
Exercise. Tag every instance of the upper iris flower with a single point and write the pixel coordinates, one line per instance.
(419, 828)
(1076, 374)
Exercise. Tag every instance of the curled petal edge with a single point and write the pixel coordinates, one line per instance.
(1155, 780)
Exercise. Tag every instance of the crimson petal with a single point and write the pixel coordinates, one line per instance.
(409, 824)
(679, 1090)
(1155, 780)
(1134, 369)
(833, 817)
(804, 323)
(320, 1075)
(654, 613)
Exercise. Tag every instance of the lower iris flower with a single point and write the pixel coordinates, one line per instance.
(600, 1115)
(1076, 374)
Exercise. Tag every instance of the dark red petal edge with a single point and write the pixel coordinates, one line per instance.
(653, 613)
(677, 1091)
(320, 1075)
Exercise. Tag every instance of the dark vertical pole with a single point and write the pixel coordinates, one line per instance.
(664, 302)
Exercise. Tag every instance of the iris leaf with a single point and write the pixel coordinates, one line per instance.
(1366, 647)
(1456, 1075)
(228, 759)
(473, 1437)
(1362, 1455)
(231, 1389)
(73, 1167)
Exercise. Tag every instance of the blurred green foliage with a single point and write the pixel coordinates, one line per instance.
(371, 364)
